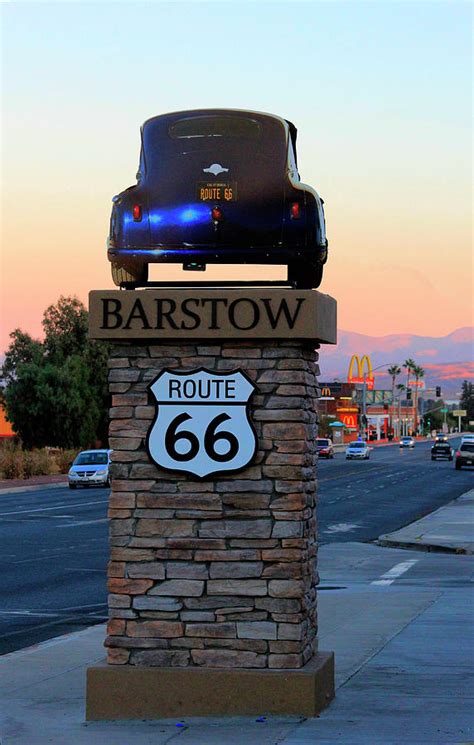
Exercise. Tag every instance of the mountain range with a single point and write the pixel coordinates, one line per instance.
(447, 360)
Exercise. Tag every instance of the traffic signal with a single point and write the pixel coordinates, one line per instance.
(438, 391)
(408, 394)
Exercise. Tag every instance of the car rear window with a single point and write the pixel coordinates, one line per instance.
(214, 126)
(91, 459)
(468, 447)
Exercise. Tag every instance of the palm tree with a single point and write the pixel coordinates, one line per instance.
(409, 366)
(418, 372)
(393, 371)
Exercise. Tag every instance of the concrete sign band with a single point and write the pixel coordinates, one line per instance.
(202, 425)
(176, 313)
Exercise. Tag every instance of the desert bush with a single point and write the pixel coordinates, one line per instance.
(38, 463)
(16, 463)
(11, 463)
(64, 459)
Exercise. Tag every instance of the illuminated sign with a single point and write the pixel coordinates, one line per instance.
(349, 420)
(326, 393)
(361, 377)
(416, 384)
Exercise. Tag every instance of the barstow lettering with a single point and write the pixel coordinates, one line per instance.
(243, 314)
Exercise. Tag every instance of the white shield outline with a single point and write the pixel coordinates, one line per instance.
(244, 404)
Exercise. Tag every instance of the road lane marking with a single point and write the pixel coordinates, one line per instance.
(395, 572)
(84, 522)
(341, 528)
(58, 507)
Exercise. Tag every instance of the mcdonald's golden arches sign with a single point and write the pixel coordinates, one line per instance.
(360, 375)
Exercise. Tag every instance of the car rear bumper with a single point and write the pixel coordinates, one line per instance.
(216, 254)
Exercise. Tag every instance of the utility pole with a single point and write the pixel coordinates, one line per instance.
(363, 419)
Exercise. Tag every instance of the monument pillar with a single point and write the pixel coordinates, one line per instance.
(213, 568)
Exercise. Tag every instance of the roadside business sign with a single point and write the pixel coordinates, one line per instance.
(459, 412)
(202, 425)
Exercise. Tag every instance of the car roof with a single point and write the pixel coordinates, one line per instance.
(97, 450)
(209, 112)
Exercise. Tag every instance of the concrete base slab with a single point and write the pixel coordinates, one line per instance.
(127, 692)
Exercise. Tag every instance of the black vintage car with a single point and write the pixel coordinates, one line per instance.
(218, 186)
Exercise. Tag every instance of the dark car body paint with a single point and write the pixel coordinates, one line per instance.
(256, 228)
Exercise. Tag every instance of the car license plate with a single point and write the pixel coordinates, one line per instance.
(217, 191)
(469, 462)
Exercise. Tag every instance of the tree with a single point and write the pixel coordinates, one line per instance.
(419, 373)
(23, 350)
(65, 328)
(393, 371)
(467, 399)
(56, 391)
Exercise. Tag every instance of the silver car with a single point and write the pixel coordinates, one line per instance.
(358, 449)
(90, 468)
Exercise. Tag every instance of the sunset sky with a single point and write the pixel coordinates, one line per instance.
(380, 93)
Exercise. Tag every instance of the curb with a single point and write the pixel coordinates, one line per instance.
(33, 487)
(426, 547)
(387, 542)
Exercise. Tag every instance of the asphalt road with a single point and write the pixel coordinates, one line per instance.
(53, 541)
(53, 549)
(360, 500)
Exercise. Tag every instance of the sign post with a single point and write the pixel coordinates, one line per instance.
(459, 413)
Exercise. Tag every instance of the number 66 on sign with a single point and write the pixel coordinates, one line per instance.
(202, 425)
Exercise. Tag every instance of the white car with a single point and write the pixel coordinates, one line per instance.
(90, 468)
(467, 437)
(358, 449)
(407, 442)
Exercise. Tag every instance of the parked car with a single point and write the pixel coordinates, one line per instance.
(358, 449)
(465, 455)
(218, 186)
(324, 447)
(441, 450)
(407, 442)
(90, 468)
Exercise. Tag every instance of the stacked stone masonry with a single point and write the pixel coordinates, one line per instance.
(220, 572)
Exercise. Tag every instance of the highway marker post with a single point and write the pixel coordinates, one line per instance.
(213, 534)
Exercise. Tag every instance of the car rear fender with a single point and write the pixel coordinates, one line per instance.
(125, 231)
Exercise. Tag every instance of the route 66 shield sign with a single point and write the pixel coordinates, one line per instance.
(202, 425)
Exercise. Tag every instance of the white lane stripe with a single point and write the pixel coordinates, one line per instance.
(395, 572)
(83, 522)
(58, 507)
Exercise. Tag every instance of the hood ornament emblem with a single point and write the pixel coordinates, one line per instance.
(215, 169)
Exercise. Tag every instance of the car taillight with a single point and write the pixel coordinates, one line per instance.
(295, 210)
(458, 453)
(216, 214)
(137, 212)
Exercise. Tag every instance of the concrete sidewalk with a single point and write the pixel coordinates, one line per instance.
(450, 528)
(403, 660)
